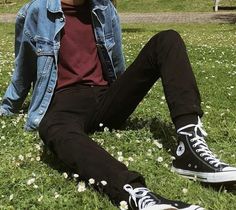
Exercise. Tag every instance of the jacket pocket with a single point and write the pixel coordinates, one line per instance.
(44, 46)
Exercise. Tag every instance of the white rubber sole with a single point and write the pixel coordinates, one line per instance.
(193, 207)
(218, 177)
(168, 207)
(161, 207)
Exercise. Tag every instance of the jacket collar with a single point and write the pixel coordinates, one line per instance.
(54, 6)
(99, 4)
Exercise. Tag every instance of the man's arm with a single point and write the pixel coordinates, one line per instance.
(24, 67)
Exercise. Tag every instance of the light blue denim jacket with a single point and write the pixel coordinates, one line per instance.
(38, 26)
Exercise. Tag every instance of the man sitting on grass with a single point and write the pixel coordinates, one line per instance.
(70, 51)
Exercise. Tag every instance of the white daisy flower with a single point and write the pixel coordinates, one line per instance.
(56, 195)
(76, 175)
(11, 197)
(158, 144)
(130, 159)
(65, 175)
(123, 205)
(21, 157)
(91, 181)
(185, 190)
(30, 181)
(118, 135)
(40, 198)
(160, 159)
(81, 187)
(121, 158)
(104, 183)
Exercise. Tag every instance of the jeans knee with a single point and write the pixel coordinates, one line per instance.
(168, 37)
(171, 34)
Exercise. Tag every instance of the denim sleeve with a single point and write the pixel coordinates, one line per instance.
(117, 56)
(22, 76)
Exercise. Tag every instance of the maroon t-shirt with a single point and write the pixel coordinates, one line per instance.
(78, 57)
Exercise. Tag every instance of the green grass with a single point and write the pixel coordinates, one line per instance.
(212, 52)
(169, 6)
(145, 5)
(12, 7)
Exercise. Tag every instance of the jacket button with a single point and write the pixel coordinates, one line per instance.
(36, 121)
(40, 111)
(39, 50)
(49, 90)
(61, 19)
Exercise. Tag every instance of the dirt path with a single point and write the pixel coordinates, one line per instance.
(163, 17)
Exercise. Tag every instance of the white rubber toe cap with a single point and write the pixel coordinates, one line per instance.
(160, 207)
(229, 169)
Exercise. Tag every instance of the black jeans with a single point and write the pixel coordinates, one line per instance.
(78, 110)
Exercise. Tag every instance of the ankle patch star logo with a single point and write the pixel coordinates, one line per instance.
(180, 149)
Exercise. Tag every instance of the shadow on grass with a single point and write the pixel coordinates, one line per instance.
(227, 8)
(229, 186)
(133, 30)
(53, 162)
(229, 18)
(159, 129)
(141, 29)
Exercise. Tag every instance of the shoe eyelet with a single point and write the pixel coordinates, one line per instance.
(201, 155)
(197, 150)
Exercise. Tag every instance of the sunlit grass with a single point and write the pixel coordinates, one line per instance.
(144, 5)
(31, 178)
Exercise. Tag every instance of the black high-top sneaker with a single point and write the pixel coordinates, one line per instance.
(194, 159)
(142, 199)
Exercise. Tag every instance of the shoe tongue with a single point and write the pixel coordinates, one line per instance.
(199, 133)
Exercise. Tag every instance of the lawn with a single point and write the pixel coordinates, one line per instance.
(31, 178)
(144, 5)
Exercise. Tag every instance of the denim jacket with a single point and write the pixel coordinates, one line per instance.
(37, 43)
